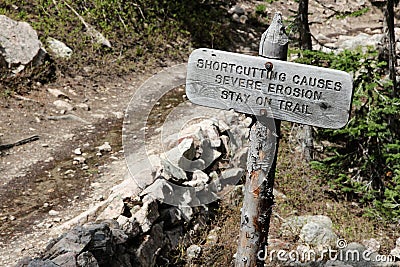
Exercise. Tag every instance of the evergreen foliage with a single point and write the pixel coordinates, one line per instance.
(364, 163)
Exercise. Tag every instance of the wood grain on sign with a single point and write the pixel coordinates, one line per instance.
(262, 86)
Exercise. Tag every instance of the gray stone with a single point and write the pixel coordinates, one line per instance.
(199, 180)
(61, 104)
(162, 190)
(193, 252)
(174, 236)
(318, 235)
(19, 43)
(231, 176)
(396, 251)
(187, 212)
(130, 226)
(73, 241)
(171, 216)
(42, 263)
(293, 225)
(105, 147)
(147, 215)
(240, 158)
(59, 48)
(237, 9)
(53, 212)
(151, 246)
(83, 106)
(66, 260)
(362, 39)
(86, 259)
(209, 154)
(119, 236)
(372, 244)
(113, 210)
(179, 159)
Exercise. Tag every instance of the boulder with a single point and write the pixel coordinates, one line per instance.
(293, 225)
(318, 235)
(148, 250)
(19, 44)
(59, 48)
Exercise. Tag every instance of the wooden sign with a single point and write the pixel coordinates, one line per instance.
(261, 86)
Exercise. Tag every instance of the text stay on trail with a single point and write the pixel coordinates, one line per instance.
(261, 86)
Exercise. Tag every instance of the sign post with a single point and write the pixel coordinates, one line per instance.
(272, 90)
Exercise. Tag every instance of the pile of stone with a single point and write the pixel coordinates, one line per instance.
(134, 226)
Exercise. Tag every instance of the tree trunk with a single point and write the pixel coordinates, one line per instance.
(305, 44)
(261, 165)
(304, 29)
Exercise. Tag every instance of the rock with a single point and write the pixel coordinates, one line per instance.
(187, 212)
(67, 260)
(212, 237)
(151, 246)
(54, 213)
(86, 259)
(199, 131)
(396, 251)
(57, 93)
(59, 48)
(127, 188)
(79, 160)
(179, 159)
(199, 180)
(19, 44)
(193, 252)
(119, 236)
(362, 39)
(78, 151)
(240, 158)
(105, 147)
(101, 242)
(73, 241)
(41, 263)
(83, 106)
(129, 225)
(293, 225)
(61, 104)
(236, 9)
(231, 176)
(209, 154)
(174, 236)
(147, 214)
(372, 244)
(318, 235)
(113, 210)
(171, 216)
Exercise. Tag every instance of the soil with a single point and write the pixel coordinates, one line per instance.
(41, 187)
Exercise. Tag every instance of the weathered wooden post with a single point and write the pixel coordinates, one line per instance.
(264, 142)
(270, 88)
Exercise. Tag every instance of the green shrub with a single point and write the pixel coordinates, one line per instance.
(365, 163)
